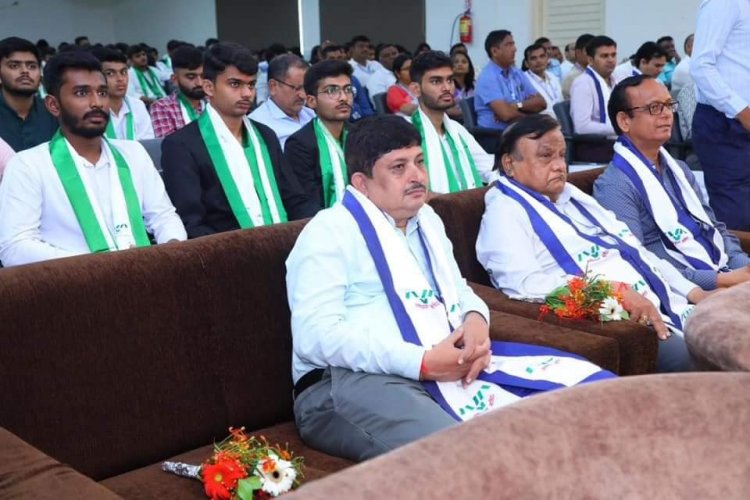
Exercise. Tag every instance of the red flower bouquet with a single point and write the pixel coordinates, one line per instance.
(585, 297)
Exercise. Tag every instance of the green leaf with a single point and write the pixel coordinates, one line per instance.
(625, 315)
(246, 487)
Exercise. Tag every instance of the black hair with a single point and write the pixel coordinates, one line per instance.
(531, 48)
(315, 54)
(15, 44)
(211, 41)
(280, 65)
(275, 49)
(687, 39)
(64, 61)
(173, 44)
(371, 138)
(427, 61)
(186, 57)
(458, 47)
(599, 41)
(325, 69)
(665, 39)
(493, 39)
(79, 39)
(648, 51)
(531, 126)
(618, 99)
(41, 43)
(399, 62)
(135, 49)
(541, 40)
(583, 40)
(222, 54)
(330, 48)
(109, 55)
(422, 46)
(359, 38)
(470, 75)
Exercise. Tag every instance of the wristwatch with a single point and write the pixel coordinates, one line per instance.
(519, 105)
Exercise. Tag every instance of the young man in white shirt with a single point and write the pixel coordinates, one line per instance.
(128, 117)
(363, 67)
(649, 60)
(81, 193)
(547, 84)
(144, 82)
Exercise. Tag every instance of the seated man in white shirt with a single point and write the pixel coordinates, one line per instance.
(649, 60)
(128, 117)
(389, 342)
(589, 95)
(454, 159)
(364, 67)
(681, 77)
(538, 231)
(379, 81)
(81, 193)
(144, 81)
(546, 84)
(284, 111)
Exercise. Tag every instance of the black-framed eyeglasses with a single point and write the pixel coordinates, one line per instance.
(296, 88)
(656, 108)
(334, 91)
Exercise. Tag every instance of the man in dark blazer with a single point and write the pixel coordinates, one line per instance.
(200, 161)
(315, 152)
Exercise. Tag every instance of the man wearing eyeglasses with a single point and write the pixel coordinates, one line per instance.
(658, 197)
(284, 111)
(315, 153)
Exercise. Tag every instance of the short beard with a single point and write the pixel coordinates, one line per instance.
(20, 92)
(436, 105)
(73, 125)
(192, 94)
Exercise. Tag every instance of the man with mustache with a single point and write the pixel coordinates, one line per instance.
(128, 117)
(316, 151)
(389, 342)
(24, 121)
(225, 171)
(187, 102)
(454, 159)
(284, 111)
(81, 193)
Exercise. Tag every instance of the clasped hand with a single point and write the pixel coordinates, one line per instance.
(463, 354)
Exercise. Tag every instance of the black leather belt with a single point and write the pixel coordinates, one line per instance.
(308, 379)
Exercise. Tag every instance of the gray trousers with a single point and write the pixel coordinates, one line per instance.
(674, 356)
(359, 415)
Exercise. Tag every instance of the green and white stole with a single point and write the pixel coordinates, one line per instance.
(149, 83)
(127, 218)
(129, 124)
(189, 113)
(449, 170)
(245, 173)
(332, 163)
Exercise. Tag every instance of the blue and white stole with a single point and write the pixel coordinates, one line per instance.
(426, 316)
(619, 257)
(602, 100)
(687, 232)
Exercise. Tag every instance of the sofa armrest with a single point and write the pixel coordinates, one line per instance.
(599, 350)
(744, 237)
(638, 345)
(26, 472)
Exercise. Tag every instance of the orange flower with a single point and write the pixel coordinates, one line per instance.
(238, 435)
(268, 465)
(220, 479)
(285, 455)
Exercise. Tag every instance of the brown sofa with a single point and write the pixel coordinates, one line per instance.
(655, 436)
(112, 363)
(462, 214)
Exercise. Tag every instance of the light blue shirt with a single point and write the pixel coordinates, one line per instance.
(495, 84)
(720, 64)
(340, 312)
(283, 125)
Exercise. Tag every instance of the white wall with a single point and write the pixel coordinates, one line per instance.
(309, 20)
(632, 22)
(106, 21)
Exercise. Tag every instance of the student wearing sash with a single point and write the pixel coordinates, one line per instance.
(187, 102)
(143, 80)
(128, 117)
(316, 151)
(225, 171)
(454, 159)
(649, 60)
(81, 192)
(504, 93)
(389, 342)
(545, 82)
(538, 231)
(658, 196)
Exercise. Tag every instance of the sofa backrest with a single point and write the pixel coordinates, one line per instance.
(462, 215)
(111, 362)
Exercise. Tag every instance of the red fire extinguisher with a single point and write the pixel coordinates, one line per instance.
(464, 25)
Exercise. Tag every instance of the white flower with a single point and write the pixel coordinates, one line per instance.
(611, 310)
(277, 475)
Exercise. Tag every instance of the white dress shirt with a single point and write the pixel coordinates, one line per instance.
(283, 125)
(37, 221)
(681, 76)
(625, 70)
(565, 68)
(721, 55)
(519, 263)
(379, 82)
(340, 313)
(549, 88)
(364, 72)
(584, 104)
(141, 119)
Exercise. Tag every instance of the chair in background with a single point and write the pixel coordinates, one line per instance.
(488, 138)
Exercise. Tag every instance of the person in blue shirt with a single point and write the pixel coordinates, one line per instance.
(503, 92)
